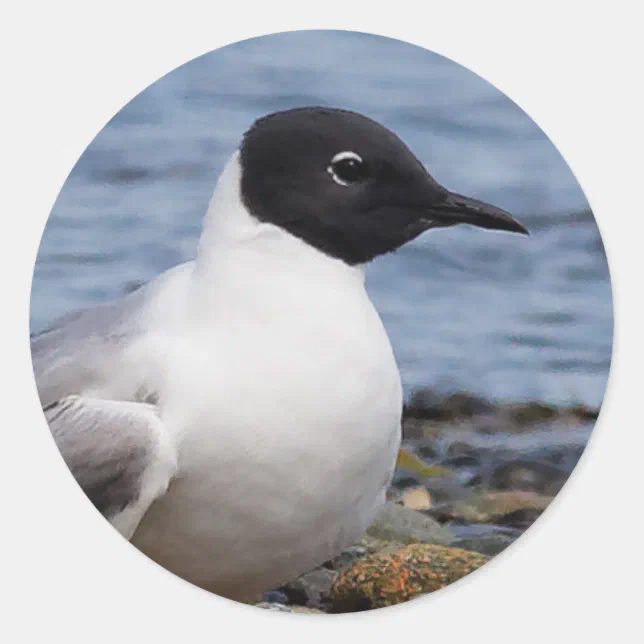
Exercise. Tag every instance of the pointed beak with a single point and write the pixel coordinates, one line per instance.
(457, 209)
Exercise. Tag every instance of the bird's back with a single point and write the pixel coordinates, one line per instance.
(89, 350)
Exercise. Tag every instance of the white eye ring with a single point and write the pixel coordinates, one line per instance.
(342, 156)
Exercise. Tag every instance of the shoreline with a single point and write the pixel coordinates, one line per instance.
(475, 476)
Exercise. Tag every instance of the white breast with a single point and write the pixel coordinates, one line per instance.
(281, 389)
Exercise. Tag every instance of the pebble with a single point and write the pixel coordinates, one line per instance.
(522, 518)
(490, 507)
(531, 413)
(428, 404)
(403, 525)
(497, 504)
(416, 498)
(465, 405)
(309, 589)
(428, 451)
(528, 476)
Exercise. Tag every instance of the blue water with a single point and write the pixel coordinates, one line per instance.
(503, 316)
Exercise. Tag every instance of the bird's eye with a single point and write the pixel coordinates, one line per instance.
(347, 168)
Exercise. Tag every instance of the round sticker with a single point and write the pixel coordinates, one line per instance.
(321, 322)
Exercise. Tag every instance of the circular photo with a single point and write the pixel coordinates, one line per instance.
(318, 337)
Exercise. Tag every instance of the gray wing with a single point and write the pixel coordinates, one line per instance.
(94, 392)
(118, 452)
(85, 350)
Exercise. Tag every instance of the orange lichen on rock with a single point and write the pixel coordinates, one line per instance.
(385, 579)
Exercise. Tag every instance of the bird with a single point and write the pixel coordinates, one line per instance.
(238, 417)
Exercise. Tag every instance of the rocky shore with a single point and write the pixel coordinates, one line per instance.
(471, 478)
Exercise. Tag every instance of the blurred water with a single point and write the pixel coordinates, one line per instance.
(507, 317)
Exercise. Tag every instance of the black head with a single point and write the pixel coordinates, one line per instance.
(347, 185)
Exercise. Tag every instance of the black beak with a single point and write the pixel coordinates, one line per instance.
(457, 209)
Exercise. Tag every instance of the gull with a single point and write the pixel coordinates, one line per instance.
(238, 417)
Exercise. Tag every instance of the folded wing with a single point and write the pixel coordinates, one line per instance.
(118, 452)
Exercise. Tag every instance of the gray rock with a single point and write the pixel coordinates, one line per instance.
(488, 539)
(347, 557)
(528, 476)
(531, 413)
(428, 450)
(466, 405)
(310, 589)
(488, 544)
(521, 519)
(402, 525)
(426, 400)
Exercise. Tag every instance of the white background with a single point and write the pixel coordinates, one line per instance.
(575, 68)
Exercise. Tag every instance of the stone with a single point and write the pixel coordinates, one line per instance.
(428, 450)
(412, 463)
(403, 525)
(522, 518)
(459, 448)
(469, 461)
(465, 405)
(373, 544)
(497, 504)
(528, 475)
(490, 544)
(416, 498)
(418, 428)
(347, 557)
(385, 579)
(310, 589)
(425, 403)
(531, 413)
(489, 507)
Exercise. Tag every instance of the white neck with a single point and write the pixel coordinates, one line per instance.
(234, 242)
